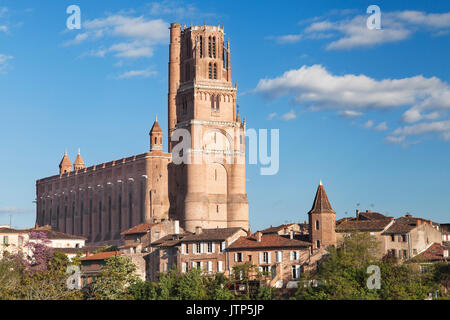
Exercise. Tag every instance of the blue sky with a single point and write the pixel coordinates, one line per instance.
(364, 110)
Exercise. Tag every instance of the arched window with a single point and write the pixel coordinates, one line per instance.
(90, 217)
(201, 47)
(120, 209)
(100, 217)
(215, 71)
(218, 103)
(130, 209)
(184, 105)
(318, 244)
(156, 140)
(110, 215)
(142, 202)
(214, 47)
(188, 73)
(212, 103)
(224, 57)
(317, 224)
(81, 217)
(210, 71)
(209, 47)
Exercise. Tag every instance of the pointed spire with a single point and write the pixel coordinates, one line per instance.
(155, 127)
(65, 165)
(78, 163)
(321, 203)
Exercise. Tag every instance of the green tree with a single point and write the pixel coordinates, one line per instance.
(143, 290)
(114, 280)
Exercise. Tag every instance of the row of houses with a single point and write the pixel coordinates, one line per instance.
(278, 254)
(13, 241)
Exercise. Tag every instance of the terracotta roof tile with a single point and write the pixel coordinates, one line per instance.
(140, 228)
(434, 252)
(276, 229)
(53, 234)
(10, 230)
(405, 224)
(212, 234)
(321, 202)
(102, 255)
(267, 241)
(369, 215)
(362, 225)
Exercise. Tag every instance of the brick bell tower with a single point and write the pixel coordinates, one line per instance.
(208, 191)
(322, 221)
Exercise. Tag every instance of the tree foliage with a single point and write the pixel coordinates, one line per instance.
(343, 275)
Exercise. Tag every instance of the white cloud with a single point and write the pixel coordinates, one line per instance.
(368, 124)
(175, 8)
(289, 38)
(433, 20)
(381, 126)
(315, 86)
(138, 35)
(291, 115)
(4, 62)
(351, 31)
(3, 11)
(129, 27)
(349, 114)
(137, 74)
(351, 95)
(442, 127)
(272, 116)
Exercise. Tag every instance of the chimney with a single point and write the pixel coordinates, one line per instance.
(249, 233)
(291, 235)
(357, 213)
(258, 236)
(198, 230)
(176, 227)
(419, 222)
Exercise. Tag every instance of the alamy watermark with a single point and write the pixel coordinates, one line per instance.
(74, 20)
(227, 147)
(374, 280)
(374, 20)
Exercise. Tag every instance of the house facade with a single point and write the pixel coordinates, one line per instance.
(278, 258)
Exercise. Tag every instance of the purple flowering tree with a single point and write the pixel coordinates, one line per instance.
(39, 253)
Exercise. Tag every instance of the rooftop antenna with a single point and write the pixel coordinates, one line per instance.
(10, 220)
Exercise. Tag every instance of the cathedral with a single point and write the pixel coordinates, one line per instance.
(206, 189)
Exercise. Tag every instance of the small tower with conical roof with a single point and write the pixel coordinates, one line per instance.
(156, 136)
(79, 163)
(65, 165)
(322, 221)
